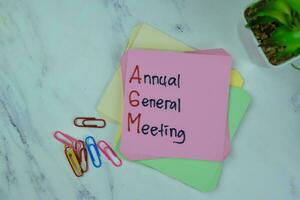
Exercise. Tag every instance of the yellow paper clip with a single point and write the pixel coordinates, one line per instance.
(73, 161)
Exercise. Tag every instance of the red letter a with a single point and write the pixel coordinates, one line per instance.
(133, 77)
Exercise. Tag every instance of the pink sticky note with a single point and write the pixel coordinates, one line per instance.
(203, 94)
(222, 52)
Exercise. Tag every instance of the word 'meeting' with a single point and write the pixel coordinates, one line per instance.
(166, 104)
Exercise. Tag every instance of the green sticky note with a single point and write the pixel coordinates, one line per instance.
(199, 174)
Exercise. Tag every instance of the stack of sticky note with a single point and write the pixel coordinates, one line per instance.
(177, 108)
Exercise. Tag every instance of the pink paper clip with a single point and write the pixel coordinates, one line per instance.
(109, 153)
(64, 138)
(82, 122)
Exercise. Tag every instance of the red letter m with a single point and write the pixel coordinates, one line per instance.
(131, 121)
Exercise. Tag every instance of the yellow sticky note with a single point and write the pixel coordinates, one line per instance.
(146, 37)
(110, 105)
(236, 79)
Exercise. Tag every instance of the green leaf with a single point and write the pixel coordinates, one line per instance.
(295, 67)
(296, 19)
(278, 5)
(281, 6)
(276, 15)
(286, 37)
(289, 51)
(279, 10)
(295, 5)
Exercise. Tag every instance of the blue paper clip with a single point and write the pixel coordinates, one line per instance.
(93, 151)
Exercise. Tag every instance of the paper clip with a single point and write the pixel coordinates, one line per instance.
(64, 138)
(73, 161)
(93, 152)
(78, 145)
(83, 120)
(82, 155)
(109, 153)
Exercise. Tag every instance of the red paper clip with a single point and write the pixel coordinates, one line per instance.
(78, 145)
(82, 155)
(84, 120)
(64, 138)
(109, 153)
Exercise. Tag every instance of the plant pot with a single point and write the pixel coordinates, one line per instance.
(256, 53)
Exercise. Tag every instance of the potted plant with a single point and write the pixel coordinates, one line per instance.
(275, 24)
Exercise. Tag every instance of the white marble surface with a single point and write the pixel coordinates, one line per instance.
(56, 58)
